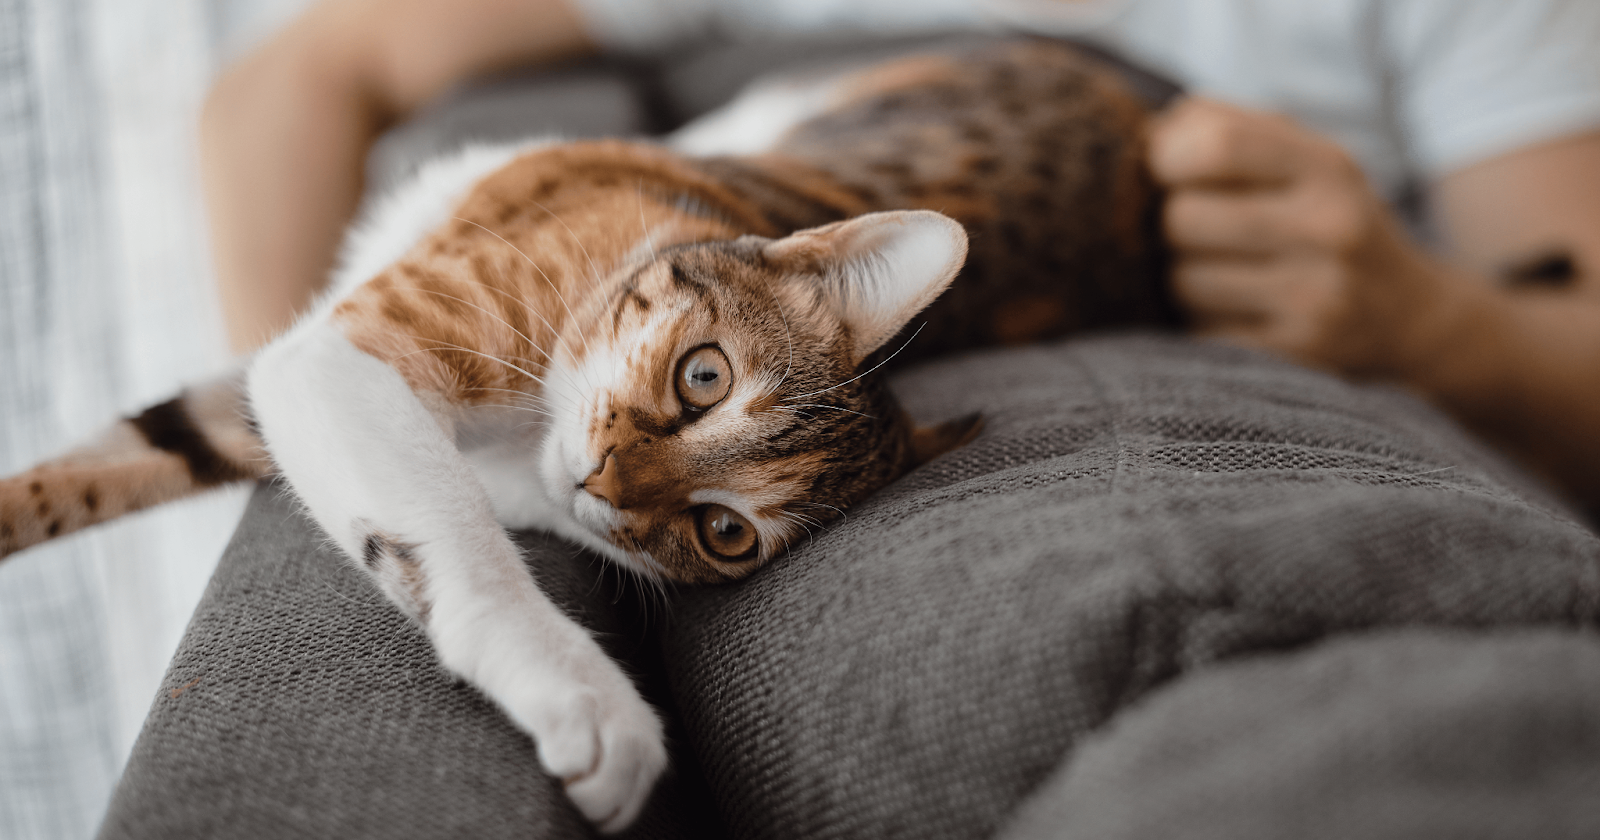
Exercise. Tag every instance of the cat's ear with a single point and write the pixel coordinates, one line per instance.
(929, 442)
(877, 271)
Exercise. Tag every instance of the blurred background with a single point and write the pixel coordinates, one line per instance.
(106, 305)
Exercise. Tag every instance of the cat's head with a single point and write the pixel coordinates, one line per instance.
(721, 401)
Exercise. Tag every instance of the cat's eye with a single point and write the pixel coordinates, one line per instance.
(726, 534)
(704, 378)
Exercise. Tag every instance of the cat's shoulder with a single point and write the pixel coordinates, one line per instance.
(396, 220)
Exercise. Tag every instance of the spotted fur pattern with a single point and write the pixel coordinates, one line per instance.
(509, 345)
(196, 441)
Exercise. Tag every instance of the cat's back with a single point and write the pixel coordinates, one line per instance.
(1030, 119)
(1036, 146)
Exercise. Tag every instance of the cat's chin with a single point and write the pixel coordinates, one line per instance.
(593, 514)
(574, 514)
(591, 519)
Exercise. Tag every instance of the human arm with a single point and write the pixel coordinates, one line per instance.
(1281, 243)
(285, 132)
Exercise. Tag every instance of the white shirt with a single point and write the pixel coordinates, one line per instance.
(1412, 88)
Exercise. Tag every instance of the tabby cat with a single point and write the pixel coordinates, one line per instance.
(673, 357)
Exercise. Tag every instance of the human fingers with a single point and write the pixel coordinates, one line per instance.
(1232, 222)
(1298, 306)
(1316, 216)
(1202, 141)
(1227, 288)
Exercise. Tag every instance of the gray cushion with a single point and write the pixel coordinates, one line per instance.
(1382, 737)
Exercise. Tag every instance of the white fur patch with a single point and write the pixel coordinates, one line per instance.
(756, 119)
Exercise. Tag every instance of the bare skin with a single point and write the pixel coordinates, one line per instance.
(1280, 241)
(285, 132)
(1282, 245)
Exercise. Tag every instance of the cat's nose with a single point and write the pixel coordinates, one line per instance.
(604, 483)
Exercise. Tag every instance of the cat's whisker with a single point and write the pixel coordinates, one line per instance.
(798, 521)
(549, 359)
(874, 367)
(621, 588)
(594, 270)
(796, 515)
(658, 585)
(448, 346)
(652, 590)
(841, 513)
(807, 517)
(552, 284)
(639, 192)
(526, 410)
(530, 404)
(458, 348)
(796, 409)
(520, 408)
(788, 337)
(573, 386)
(599, 579)
(520, 333)
(530, 400)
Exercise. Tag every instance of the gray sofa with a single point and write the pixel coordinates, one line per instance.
(1174, 590)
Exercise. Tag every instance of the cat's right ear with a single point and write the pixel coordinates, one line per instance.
(875, 272)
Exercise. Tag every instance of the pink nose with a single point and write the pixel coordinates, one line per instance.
(604, 483)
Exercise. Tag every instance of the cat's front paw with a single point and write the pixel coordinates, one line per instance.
(603, 741)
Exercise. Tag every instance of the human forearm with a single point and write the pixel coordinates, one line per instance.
(1522, 368)
(285, 133)
(282, 159)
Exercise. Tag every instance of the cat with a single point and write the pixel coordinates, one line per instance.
(674, 356)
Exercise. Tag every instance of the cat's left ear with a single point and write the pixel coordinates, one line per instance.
(876, 271)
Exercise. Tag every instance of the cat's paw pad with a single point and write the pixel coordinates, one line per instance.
(606, 747)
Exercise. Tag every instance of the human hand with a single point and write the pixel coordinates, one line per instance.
(1279, 242)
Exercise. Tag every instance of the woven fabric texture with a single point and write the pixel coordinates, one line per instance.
(1135, 510)
(1383, 737)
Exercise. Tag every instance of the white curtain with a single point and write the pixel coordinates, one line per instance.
(106, 305)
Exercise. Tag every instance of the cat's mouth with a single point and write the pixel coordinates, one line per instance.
(595, 514)
(601, 523)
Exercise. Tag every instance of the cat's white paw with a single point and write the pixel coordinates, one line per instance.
(589, 724)
(603, 741)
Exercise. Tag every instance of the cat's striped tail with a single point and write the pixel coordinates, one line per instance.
(196, 441)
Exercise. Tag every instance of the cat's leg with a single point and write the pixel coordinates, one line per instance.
(381, 474)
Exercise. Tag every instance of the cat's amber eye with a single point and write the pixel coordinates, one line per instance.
(726, 534)
(704, 378)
